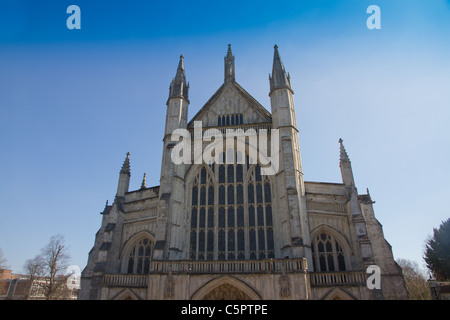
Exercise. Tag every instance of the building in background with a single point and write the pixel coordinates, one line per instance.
(20, 287)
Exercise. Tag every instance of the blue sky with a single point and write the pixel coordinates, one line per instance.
(73, 102)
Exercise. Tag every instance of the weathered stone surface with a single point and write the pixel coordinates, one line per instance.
(295, 239)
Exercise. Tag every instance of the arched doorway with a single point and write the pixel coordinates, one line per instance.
(338, 294)
(126, 294)
(226, 292)
(226, 288)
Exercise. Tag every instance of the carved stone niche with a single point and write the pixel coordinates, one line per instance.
(361, 230)
(169, 288)
(366, 250)
(285, 286)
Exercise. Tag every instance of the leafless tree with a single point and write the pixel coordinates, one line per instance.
(35, 269)
(415, 280)
(48, 268)
(56, 259)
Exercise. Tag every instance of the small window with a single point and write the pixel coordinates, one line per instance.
(230, 194)
(142, 253)
(210, 195)
(230, 217)
(240, 194)
(251, 195)
(201, 223)
(202, 196)
(259, 193)
(210, 218)
(240, 217)
(194, 196)
(251, 216)
(230, 173)
(222, 173)
(221, 195)
(194, 218)
(239, 174)
(329, 255)
(221, 217)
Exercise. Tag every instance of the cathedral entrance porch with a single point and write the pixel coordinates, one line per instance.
(187, 279)
(226, 292)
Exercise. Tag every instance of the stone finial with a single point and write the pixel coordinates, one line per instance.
(144, 183)
(343, 154)
(229, 53)
(369, 196)
(229, 65)
(366, 198)
(126, 165)
(279, 78)
(178, 87)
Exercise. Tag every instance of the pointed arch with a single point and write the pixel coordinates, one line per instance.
(126, 294)
(193, 171)
(330, 250)
(219, 199)
(338, 294)
(139, 246)
(243, 289)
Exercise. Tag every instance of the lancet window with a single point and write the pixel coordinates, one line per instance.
(230, 119)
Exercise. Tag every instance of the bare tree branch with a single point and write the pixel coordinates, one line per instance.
(415, 280)
(55, 259)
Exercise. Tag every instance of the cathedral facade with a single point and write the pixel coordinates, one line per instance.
(229, 228)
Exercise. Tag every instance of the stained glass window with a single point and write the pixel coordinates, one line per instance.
(243, 228)
(327, 254)
(140, 256)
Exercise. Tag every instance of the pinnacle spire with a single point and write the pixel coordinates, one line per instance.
(178, 87)
(229, 53)
(229, 65)
(279, 78)
(126, 165)
(343, 154)
(144, 183)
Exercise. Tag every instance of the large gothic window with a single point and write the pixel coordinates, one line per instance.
(140, 257)
(327, 253)
(231, 213)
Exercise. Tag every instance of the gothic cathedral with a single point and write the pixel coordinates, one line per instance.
(224, 229)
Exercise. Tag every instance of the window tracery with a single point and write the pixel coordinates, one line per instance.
(236, 222)
(140, 257)
(327, 253)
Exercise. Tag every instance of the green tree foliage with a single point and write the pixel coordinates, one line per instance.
(437, 252)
